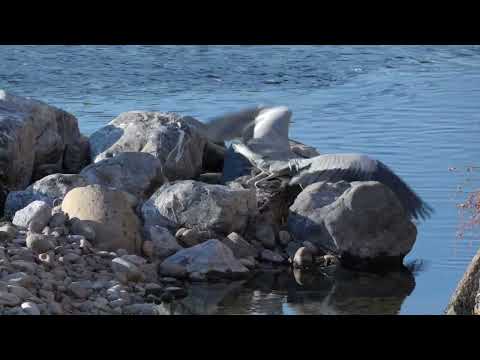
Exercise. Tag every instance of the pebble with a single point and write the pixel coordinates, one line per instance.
(19, 291)
(81, 289)
(126, 271)
(22, 265)
(20, 279)
(30, 308)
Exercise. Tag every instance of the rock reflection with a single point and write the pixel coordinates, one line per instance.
(334, 290)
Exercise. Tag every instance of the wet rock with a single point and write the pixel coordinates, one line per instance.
(35, 137)
(126, 271)
(137, 173)
(37, 212)
(239, 247)
(166, 136)
(108, 212)
(30, 308)
(201, 206)
(303, 258)
(39, 243)
(265, 234)
(164, 243)
(364, 223)
(209, 258)
(49, 189)
(272, 256)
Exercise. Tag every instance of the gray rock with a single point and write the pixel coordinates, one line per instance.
(201, 206)
(364, 223)
(463, 299)
(22, 265)
(79, 227)
(9, 299)
(172, 269)
(7, 232)
(303, 150)
(20, 291)
(272, 256)
(166, 136)
(209, 258)
(34, 140)
(135, 172)
(134, 259)
(164, 243)
(239, 247)
(57, 220)
(49, 189)
(284, 237)
(265, 234)
(311, 247)
(248, 262)
(39, 243)
(81, 289)
(211, 178)
(30, 308)
(141, 309)
(303, 258)
(20, 279)
(37, 212)
(126, 271)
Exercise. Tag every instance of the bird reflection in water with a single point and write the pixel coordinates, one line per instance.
(334, 290)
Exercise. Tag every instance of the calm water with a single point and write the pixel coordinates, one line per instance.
(416, 108)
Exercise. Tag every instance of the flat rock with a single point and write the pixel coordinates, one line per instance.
(210, 257)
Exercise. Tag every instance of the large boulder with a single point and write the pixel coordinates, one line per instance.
(36, 140)
(200, 206)
(167, 136)
(110, 213)
(363, 222)
(210, 258)
(51, 187)
(137, 173)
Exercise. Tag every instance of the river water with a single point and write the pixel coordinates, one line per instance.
(415, 108)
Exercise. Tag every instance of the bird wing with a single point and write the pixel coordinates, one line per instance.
(358, 167)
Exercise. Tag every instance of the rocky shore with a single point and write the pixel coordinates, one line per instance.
(133, 215)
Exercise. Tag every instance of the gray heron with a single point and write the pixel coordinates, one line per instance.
(265, 144)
